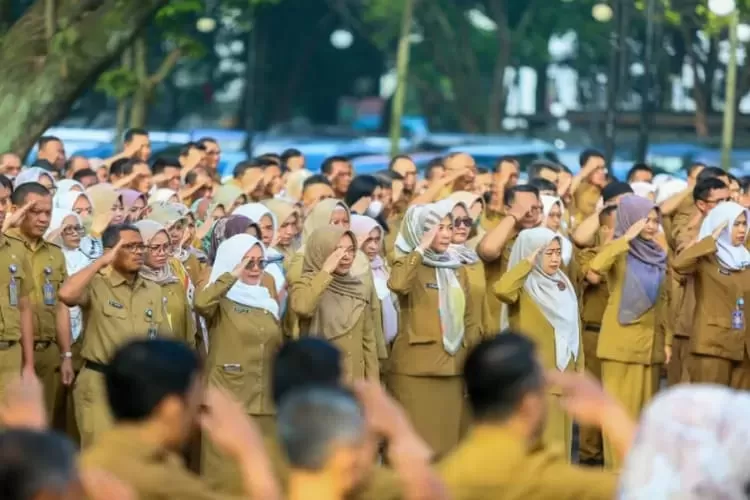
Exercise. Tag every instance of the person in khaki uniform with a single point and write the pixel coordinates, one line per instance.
(506, 387)
(587, 185)
(632, 342)
(52, 335)
(158, 268)
(241, 309)
(717, 263)
(329, 300)
(118, 305)
(175, 222)
(157, 395)
(17, 332)
(541, 301)
(436, 323)
(523, 210)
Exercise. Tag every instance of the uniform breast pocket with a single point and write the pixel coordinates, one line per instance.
(115, 311)
(9, 297)
(233, 378)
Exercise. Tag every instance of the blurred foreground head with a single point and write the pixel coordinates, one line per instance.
(324, 434)
(306, 362)
(156, 382)
(505, 383)
(38, 465)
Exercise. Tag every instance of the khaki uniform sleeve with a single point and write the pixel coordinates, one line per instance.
(686, 261)
(404, 273)
(605, 259)
(305, 293)
(207, 299)
(508, 288)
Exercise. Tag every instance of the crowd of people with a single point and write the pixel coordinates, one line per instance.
(280, 333)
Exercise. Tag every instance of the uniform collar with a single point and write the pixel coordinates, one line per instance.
(16, 234)
(118, 279)
(500, 437)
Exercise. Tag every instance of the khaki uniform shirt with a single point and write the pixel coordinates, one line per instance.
(48, 270)
(492, 464)
(13, 264)
(154, 472)
(116, 312)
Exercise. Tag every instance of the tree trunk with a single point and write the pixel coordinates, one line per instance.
(139, 106)
(34, 92)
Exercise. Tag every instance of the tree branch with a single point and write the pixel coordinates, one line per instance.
(166, 67)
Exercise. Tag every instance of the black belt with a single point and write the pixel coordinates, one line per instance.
(97, 367)
(592, 327)
(7, 344)
(41, 345)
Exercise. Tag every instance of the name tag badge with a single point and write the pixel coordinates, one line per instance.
(49, 294)
(13, 286)
(724, 272)
(232, 367)
(434, 286)
(241, 310)
(116, 305)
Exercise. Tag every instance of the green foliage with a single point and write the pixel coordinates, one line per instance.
(119, 83)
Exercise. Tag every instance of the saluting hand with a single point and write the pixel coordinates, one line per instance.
(717, 232)
(110, 253)
(15, 219)
(333, 260)
(428, 238)
(634, 230)
(533, 256)
(237, 271)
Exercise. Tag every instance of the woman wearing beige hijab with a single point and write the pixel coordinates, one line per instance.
(332, 303)
(287, 220)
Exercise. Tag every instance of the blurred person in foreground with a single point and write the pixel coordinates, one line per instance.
(156, 395)
(36, 464)
(503, 456)
(313, 362)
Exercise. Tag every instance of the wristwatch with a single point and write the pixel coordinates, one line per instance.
(66, 355)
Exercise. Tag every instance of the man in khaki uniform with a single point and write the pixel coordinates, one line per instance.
(17, 328)
(506, 389)
(118, 306)
(32, 207)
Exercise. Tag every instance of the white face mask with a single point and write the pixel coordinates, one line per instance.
(375, 208)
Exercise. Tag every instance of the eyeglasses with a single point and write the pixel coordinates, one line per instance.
(463, 221)
(73, 230)
(177, 226)
(260, 264)
(160, 249)
(134, 247)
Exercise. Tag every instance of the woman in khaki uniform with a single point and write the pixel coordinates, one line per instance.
(242, 313)
(435, 322)
(286, 231)
(175, 222)
(718, 264)
(540, 300)
(331, 302)
(632, 341)
(177, 309)
(326, 212)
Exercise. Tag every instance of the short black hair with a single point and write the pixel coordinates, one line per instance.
(499, 372)
(6, 183)
(607, 210)
(185, 149)
(132, 132)
(192, 176)
(509, 196)
(118, 166)
(203, 140)
(390, 174)
(732, 178)
(482, 170)
(745, 183)
(111, 235)
(315, 179)
(694, 165)
(145, 372)
(587, 154)
(711, 173)
(243, 166)
(385, 181)
(503, 159)
(18, 198)
(46, 139)
(290, 153)
(305, 362)
(83, 173)
(164, 162)
(703, 188)
(536, 167)
(432, 165)
(638, 167)
(275, 158)
(69, 161)
(34, 462)
(542, 184)
(397, 158)
(129, 166)
(327, 166)
(615, 188)
(361, 187)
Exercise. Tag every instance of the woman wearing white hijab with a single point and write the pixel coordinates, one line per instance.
(240, 307)
(68, 185)
(644, 190)
(718, 263)
(264, 218)
(539, 299)
(35, 174)
(165, 195)
(436, 318)
(553, 210)
(66, 231)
